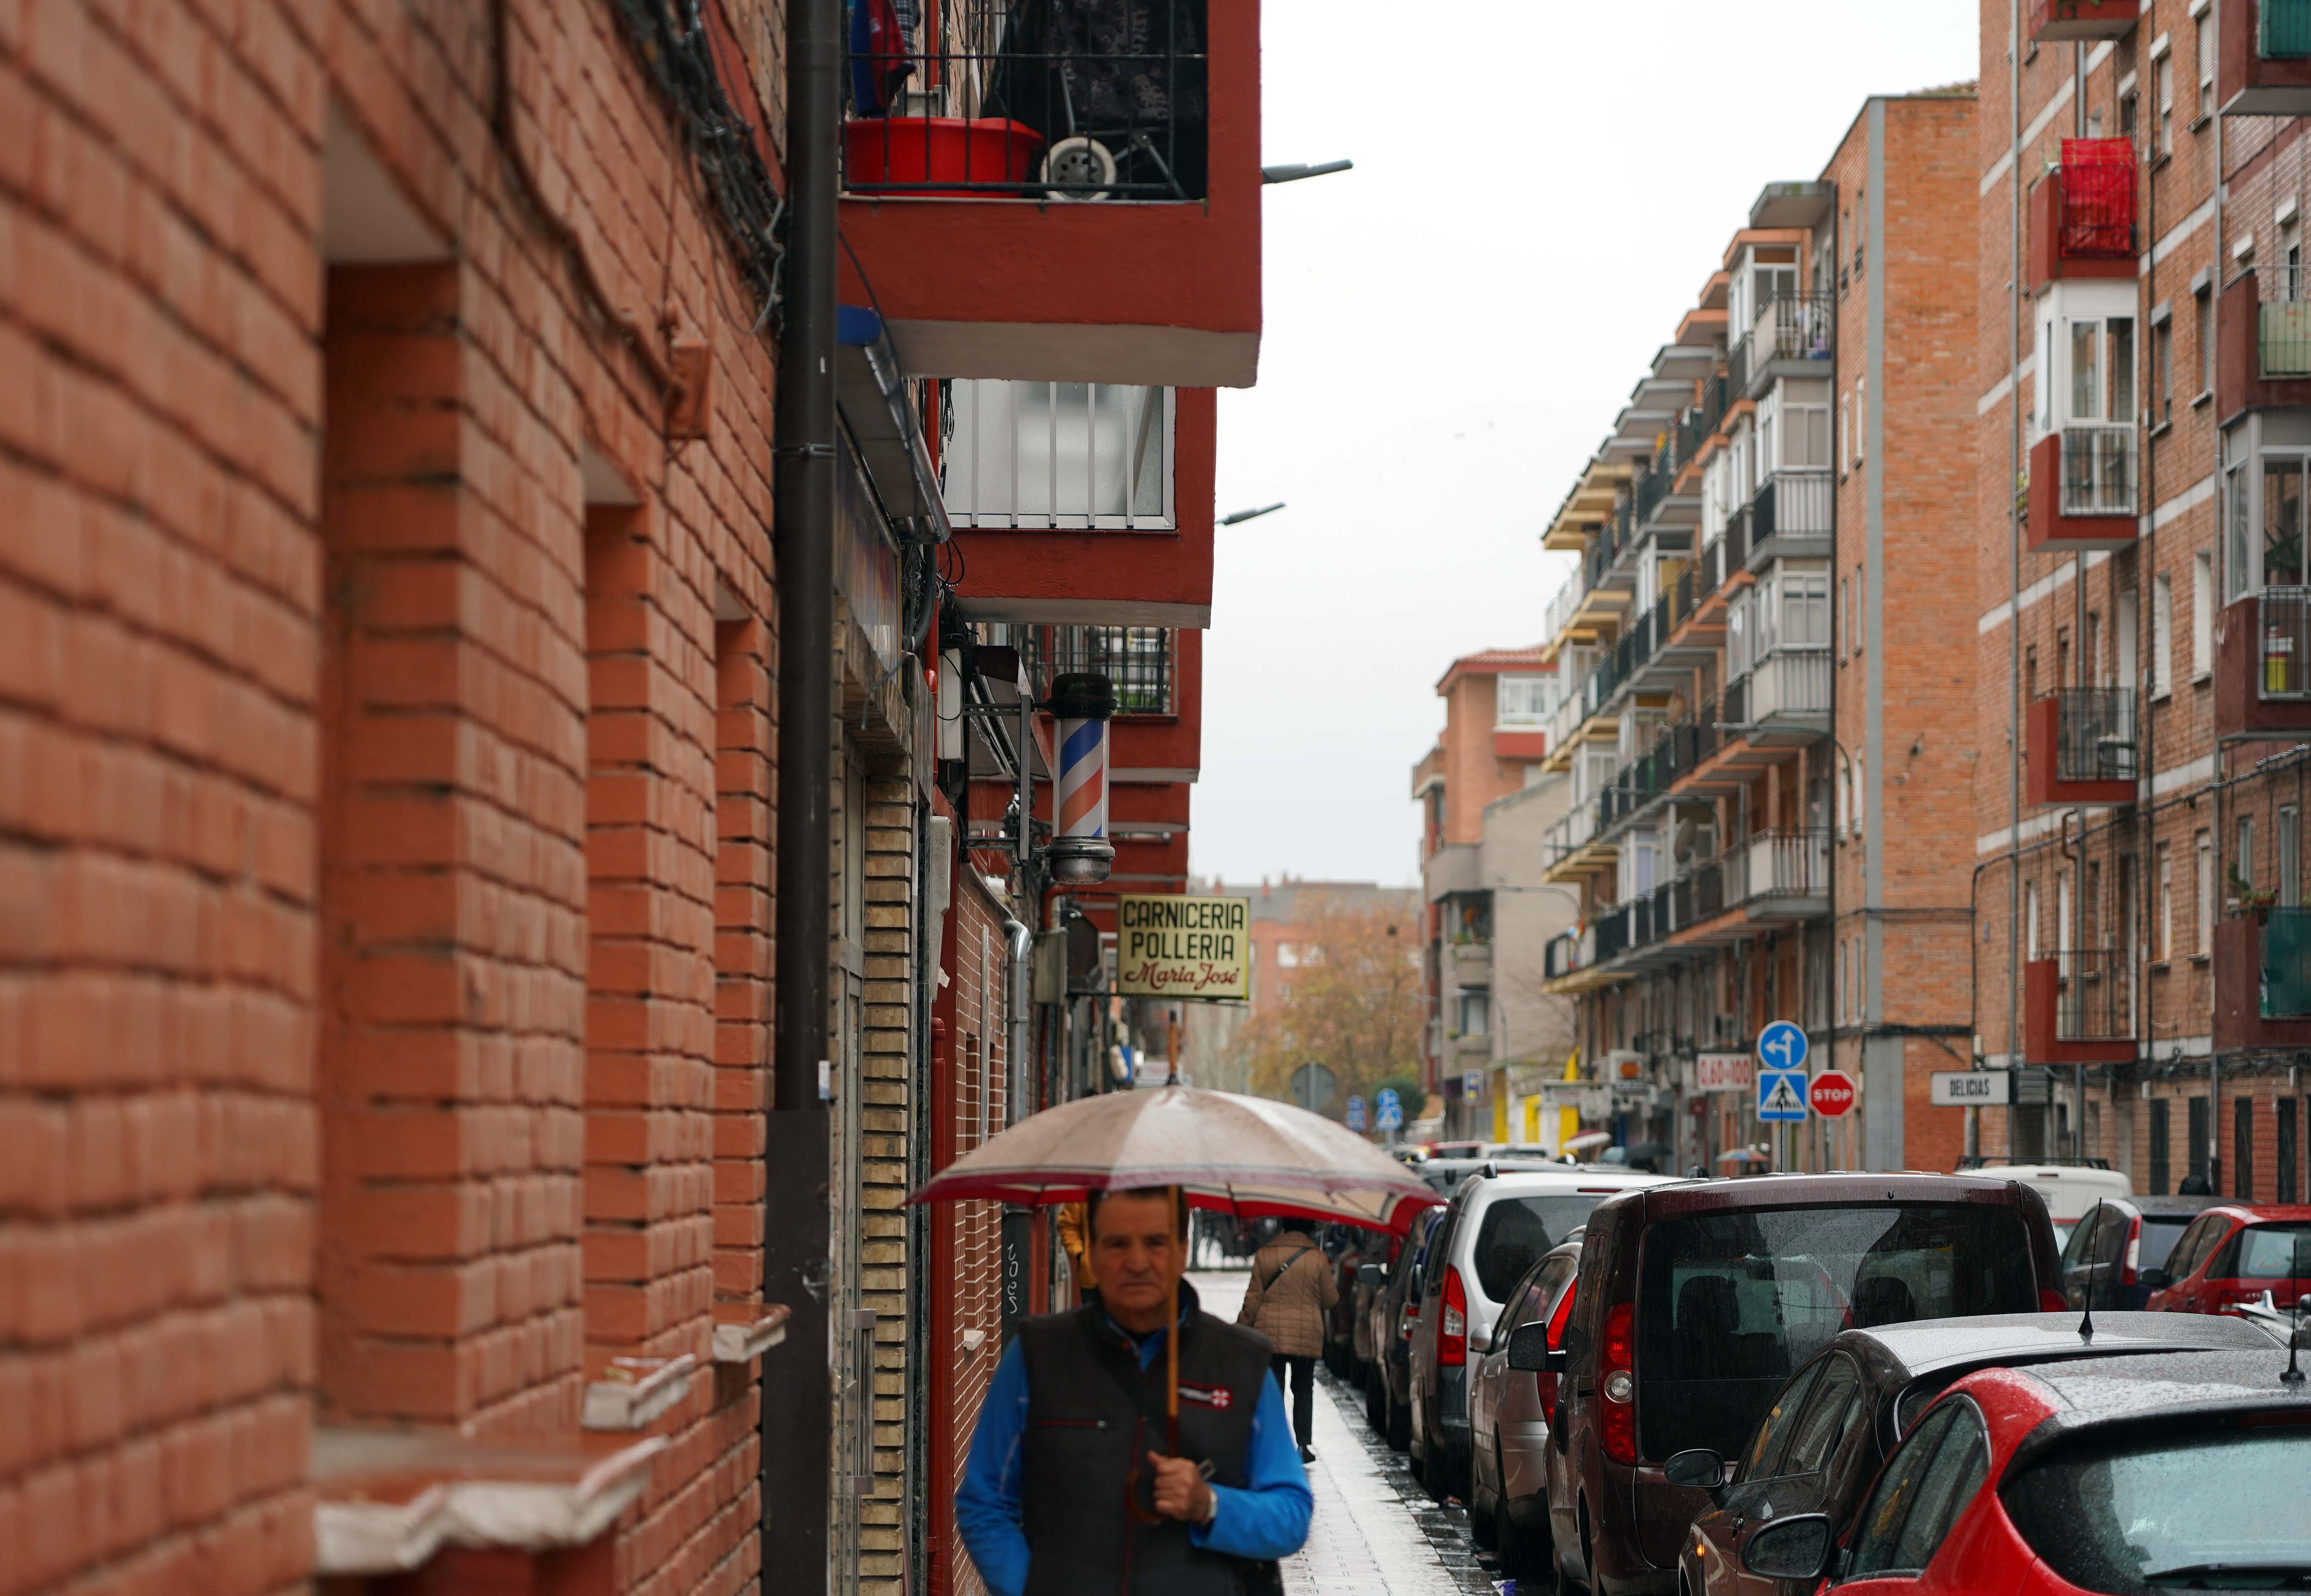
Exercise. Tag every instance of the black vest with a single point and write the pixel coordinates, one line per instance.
(1085, 1433)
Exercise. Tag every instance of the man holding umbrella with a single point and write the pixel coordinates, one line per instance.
(1080, 1479)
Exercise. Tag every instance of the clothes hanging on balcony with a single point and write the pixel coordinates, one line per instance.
(1129, 74)
(881, 53)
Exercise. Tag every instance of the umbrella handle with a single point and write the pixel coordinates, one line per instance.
(1172, 1354)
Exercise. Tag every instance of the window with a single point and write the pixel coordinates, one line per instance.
(1518, 1231)
(2290, 858)
(2286, 1149)
(1861, 796)
(2202, 325)
(2206, 56)
(2166, 105)
(2129, 118)
(2162, 946)
(1760, 1460)
(2162, 357)
(1524, 701)
(2283, 502)
(2202, 614)
(2242, 1152)
(2030, 921)
(1845, 430)
(2161, 1154)
(2162, 636)
(2244, 861)
(2091, 673)
(2196, 1155)
(1845, 609)
(1737, 636)
(1060, 455)
(1830, 1417)
(1925, 1485)
(1860, 418)
(1861, 604)
(2206, 901)
(1841, 981)
(1792, 611)
(2063, 921)
(1287, 955)
(1474, 1008)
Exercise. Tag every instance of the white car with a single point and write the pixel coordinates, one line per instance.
(1494, 1229)
(2070, 1190)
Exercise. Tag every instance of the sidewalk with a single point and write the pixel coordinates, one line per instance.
(1376, 1532)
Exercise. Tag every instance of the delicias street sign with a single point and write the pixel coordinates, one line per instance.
(1183, 948)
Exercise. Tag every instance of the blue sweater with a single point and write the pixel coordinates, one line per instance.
(1267, 1519)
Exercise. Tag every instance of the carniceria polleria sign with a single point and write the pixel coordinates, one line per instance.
(1183, 948)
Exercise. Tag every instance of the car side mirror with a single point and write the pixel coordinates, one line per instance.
(1529, 1350)
(1800, 1548)
(1370, 1274)
(1696, 1467)
(2154, 1279)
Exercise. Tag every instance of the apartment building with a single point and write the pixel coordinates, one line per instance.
(2142, 600)
(1770, 518)
(1484, 797)
(527, 759)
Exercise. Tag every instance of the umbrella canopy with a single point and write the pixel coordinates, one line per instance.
(1743, 1156)
(1587, 1139)
(1244, 1156)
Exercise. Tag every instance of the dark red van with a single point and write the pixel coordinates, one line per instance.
(1696, 1302)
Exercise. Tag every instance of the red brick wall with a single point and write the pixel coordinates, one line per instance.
(367, 1043)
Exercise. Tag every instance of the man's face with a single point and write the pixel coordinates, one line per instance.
(1135, 1257)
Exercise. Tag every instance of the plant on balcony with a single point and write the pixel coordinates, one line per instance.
(2246, 897)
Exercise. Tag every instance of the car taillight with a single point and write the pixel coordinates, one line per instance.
(2133, 1251)
(1545, 1382)
(1616, 1384)
(1452, 1324)
(2052, 1302)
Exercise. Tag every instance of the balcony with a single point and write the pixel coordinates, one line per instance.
(2082, 213)
(1785, 698)
(2263, 978)
(1792, 517)
(1137, 661)
(2081, 744)
(2082, 492)
(2054, 21)
(1793, 336)
(1780, 875)
(1066, 192)
(1472, 964)
(2263, 666)
(2077, 1007)
(2263, 62)
(2263, 333)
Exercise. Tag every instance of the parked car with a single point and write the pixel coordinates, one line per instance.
(2104, 1259)
(2232, 1254)
(1347, 1248)
(1697, 1301)
(2104, 1475)
(1493, 1230)
(1443, 1175)
(1831, 1427)
(2071, 1190)
(1508, 1418)
(1395, 1309)
(1380, 1256)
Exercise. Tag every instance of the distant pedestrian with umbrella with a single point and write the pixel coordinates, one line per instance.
(1080, 1481)
(1293, 1287)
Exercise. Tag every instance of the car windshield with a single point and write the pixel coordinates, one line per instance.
(1516, 1231)
(1728, 1304)
(2272, 1252)
(2159, 1511)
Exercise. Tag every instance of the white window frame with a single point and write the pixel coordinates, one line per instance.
(2206, 53)
(2166, 941)
(2205, 842)
(2202, 614)
(2162, 635)
(1536, 702)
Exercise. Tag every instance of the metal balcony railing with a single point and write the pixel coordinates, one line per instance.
(1738, 540)
(1563, 607)
(1792, 504)
(1647, 489)
(1789, 682)
(1612, 933)
(1791, 327)
(1793, 864)
(2098, 468)
(1027, 99)
(2090, 996)
(2283, 643)
(1734, 709)
(2283, 320)
(2097, 218)
(1136, 660)
(2286, 964)
(2094, 734)
(2283, 31)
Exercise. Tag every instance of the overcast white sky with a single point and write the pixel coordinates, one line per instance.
(1540, 189)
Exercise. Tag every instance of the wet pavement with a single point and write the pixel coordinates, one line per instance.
(1376, 1532)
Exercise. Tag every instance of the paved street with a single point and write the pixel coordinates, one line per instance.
(1375, 1533)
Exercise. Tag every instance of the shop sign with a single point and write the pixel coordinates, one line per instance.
(1181, 947)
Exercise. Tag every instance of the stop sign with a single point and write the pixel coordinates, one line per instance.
(1831, 1093)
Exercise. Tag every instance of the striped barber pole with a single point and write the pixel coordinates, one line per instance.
(1083, 779)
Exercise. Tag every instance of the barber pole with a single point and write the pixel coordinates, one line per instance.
(1081, 702)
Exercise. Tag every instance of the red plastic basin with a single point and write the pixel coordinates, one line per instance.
(938, 156)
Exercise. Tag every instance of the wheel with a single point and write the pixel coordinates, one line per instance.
(1483, 1522)
(1376, 1404)
(1399, 1426)
(1524, 1552)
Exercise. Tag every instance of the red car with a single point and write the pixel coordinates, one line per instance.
(2233, 1254)
(2183, 1472)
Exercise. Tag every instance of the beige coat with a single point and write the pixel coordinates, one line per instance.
(1293, 1287)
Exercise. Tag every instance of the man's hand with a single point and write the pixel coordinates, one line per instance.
(1181, 1492)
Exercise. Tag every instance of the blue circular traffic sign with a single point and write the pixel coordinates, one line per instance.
(1782, 1046)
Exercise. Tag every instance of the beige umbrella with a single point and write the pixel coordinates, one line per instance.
(1246, 1155)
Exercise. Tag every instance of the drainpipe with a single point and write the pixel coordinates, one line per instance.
(797, 1408)
(2221, 579)
(1022, 1001)
(2014, 545)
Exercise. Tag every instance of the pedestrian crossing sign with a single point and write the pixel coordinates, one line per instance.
(1780, 1095)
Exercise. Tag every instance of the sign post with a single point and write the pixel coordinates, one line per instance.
(1355, 1112)
(1388, 1111)
(1782, 1049)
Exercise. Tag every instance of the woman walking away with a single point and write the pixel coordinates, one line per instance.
(1291, 1289)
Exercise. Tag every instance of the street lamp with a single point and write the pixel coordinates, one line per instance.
(1236, 517)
